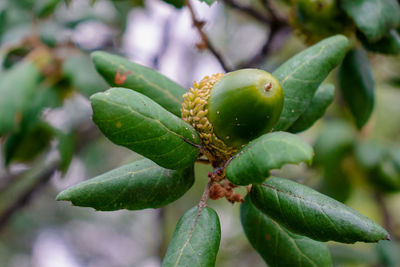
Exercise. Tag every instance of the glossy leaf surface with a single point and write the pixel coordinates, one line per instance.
(195, 241)
(301, 75)
(277, 245)
(138, 185)
(270, 151)
(308, 212)
(323, 97)
(373, 17)
(120, 72)
(357, 85)
(133, 120)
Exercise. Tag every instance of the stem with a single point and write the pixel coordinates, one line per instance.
(203, 161)
(204, 38)
(204, 197)
(387, 217)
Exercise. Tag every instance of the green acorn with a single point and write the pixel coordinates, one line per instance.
(228, 111)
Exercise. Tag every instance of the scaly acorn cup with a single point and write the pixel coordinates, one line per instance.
(228, 111)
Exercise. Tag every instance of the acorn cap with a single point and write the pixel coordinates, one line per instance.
(228, 111)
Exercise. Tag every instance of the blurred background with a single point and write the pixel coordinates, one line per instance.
(50, 142)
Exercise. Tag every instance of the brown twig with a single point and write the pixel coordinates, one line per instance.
(205, 42)
(387, 217)
(24, 198)
(249, 11)
(206, 192)
(203, 161)
(277, 28)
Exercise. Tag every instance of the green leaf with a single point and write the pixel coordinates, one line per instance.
(66, 145)
(138, 185)
(120, 72)
(308, 212)
(176, 3)
(386, 176)
(17, 87)
(208, 2)
(44, 8)
(388, 253)
(81, 73)
(332, 145)
(323, 97)
(26, 144)
(388, 44)
(336, 139)
(369, 153)
(196, 239)
(357, 85)
(270, 151)
(135, 121)
(373, 17)
(277, 245)
(301, 75)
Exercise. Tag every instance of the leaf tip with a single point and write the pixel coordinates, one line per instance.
(62, 196)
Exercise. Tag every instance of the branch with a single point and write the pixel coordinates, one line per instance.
(205, 42)
(85, 136)
(387, 217)
(249, 11)
(24, 198)
(278, 29)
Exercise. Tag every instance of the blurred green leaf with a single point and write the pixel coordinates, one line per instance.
(44, 8)
(208, 2)
(277, 245)
(322, 98)
(334, 143)
(118, 71)
(386, 176)
(388, 44)
(176, 3)
(369, 153)
(357, 85)
(26, 144)
(133, 120)
(335, 139)
(195, 240)
(388, 253)
(301, 75)
(81, 73)
(375, 18)
(138, 185)
(17, 87)
(308, 212)
(66, 145)
(270, 151)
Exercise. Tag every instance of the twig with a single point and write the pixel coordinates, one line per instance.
(204, 197)
(203, 161)
(249, 11)
(387, 218)
(276, 32)
(206, 44)
(85, 136)
(24, 198)
(164, 44)
(268, 7)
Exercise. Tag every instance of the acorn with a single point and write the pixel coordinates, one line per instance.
(230, 110)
